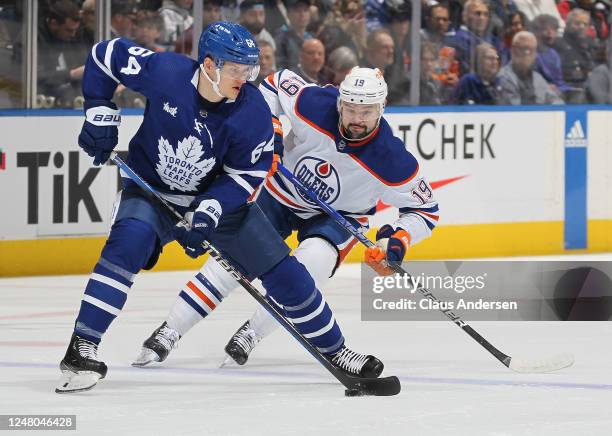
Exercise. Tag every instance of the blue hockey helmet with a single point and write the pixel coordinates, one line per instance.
(224, 41)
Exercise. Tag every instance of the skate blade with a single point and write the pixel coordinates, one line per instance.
(76, 381)
(227, 361)
(145, 357)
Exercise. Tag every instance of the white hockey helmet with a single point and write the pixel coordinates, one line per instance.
(364, 86)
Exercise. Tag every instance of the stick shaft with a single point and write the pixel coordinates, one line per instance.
(244, 282)
(358, 233)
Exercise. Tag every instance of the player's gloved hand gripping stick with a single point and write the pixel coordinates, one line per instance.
(355, 386)
(547, 365)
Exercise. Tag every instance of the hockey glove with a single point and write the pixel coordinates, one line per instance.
(391, 247)
(203, 223)
(99, 134)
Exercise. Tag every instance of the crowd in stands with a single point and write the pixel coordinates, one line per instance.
(486, 52)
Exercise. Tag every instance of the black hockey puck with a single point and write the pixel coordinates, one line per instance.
(354, 392)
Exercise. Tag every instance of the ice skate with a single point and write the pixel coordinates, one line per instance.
(241, 344)
(157, 347)
(356, 364)
(80, 367)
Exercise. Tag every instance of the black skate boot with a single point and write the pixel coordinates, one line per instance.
(157, 347)
(80, 367)
(356, 364)
(241, 344)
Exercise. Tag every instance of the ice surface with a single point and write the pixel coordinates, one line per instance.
(450, 384)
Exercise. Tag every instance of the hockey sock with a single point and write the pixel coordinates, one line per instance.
(128, 248)
(200, 296)
(319, 257)
(290, 285)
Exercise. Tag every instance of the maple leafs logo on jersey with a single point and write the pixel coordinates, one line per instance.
(182, 169)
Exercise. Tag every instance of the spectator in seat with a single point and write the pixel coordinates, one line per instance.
(433, 91)
(575, 48)
(60, 54)
(476, 16)
(211, 13)
(339, 63)
(483, 86)
(520, 83)
(289, 39)
(437, 25)
(177, 18)
(534, 8)
(267, 61)
(598, 10)
(312, 59)
(122, 19)
(548, 61)
(380, 53)
(148, 31)
(253, 17)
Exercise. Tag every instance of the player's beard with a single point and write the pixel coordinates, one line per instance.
(361, 132)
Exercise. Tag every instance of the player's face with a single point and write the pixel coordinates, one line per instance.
(358, 120)
(233, 76)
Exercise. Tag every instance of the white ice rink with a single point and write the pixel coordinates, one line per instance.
(450, 385)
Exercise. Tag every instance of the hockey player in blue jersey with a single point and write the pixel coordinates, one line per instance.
(205, 143)
(341, 147)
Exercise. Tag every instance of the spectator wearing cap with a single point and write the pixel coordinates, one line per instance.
(267, 61)
(60, 54)
(289, 39)
(520, 83)
(339, 63)
(122, 19)
(211, 13)
(399, 24)
(312, 59)
(253, 17)
(177, 18)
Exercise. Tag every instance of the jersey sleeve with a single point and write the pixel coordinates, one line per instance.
(416, 203)
(245, 164)
(281, 91)
(120, 61)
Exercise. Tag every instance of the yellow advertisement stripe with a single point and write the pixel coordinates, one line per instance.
(79, 255)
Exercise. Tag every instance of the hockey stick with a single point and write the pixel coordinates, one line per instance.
(355, 386)
(551, 364)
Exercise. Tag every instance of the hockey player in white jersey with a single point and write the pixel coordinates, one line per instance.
(340, 147)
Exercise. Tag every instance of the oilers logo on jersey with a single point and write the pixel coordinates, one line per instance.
(320, 176)
(184, 168)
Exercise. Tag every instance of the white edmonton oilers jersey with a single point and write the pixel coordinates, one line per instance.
(350, 176)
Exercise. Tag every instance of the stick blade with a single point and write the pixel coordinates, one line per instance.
(551, 364)
(380, 387)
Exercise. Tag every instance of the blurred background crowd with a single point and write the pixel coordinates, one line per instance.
(485, 52)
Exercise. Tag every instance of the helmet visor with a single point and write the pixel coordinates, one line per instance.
(240, 71)
(352, 112)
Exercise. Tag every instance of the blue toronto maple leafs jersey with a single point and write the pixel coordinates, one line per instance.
(186, 147)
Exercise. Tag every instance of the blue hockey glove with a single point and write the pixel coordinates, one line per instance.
(99, 134)
(203, 223)
(391, 247)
